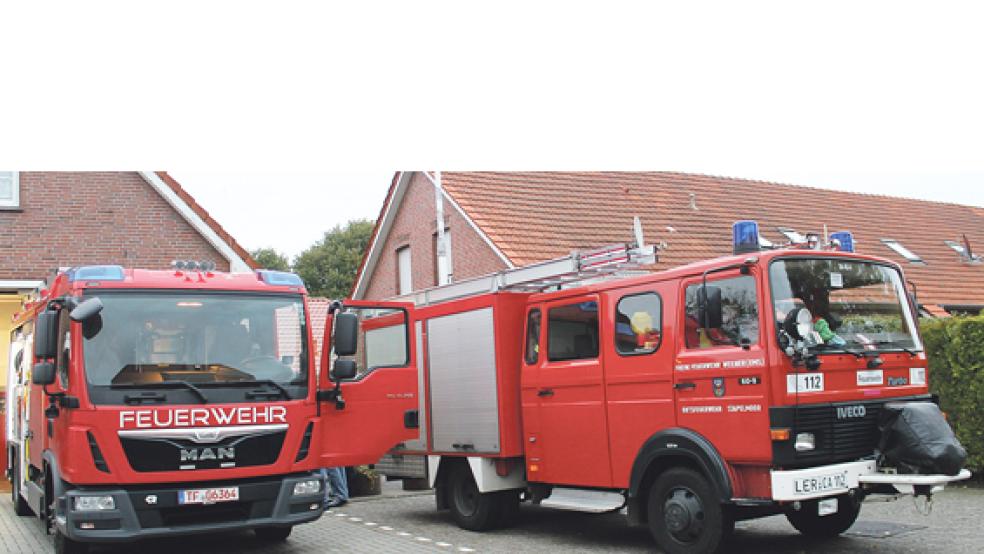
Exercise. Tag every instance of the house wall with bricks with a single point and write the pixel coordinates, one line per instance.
(415, 226)
(68, 219)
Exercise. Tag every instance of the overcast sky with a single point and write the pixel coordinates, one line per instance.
(290, 211)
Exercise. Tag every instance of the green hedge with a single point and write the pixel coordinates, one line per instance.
(955, 347)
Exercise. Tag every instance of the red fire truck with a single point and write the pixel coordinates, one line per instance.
(733, 388)
(149, 403)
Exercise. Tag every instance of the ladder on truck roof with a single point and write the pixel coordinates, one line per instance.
(579, 266)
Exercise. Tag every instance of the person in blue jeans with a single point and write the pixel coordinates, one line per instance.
(336, 494)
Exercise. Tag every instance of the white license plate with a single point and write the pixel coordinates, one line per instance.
(804, 382)
(208, 496)
(820, 483)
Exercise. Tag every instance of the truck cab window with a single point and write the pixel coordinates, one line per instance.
(638, 324)
(64, 348)
(572, 331)
(533, 336)
(739, 315)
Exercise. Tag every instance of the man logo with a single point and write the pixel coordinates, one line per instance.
(206, 454)
(151, 499)
(850, 412)
(206, 435)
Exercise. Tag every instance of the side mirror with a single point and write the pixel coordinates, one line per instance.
(43, 373)
(46, 335)
(87, 309)
(346, 340)
(709, 307)
(344, 369)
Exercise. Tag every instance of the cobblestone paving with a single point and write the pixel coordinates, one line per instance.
(401, 522)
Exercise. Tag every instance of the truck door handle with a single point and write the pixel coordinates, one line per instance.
(545, 392)
(687, 385)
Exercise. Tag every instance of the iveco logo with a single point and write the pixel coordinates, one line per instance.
(204, 454)
(847, 412)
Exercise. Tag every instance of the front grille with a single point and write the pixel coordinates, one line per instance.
(160, 454)
(844, 431)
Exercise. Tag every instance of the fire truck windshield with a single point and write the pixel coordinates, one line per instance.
(854, 304)
(221, 342)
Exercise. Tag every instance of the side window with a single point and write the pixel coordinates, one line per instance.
(572, 332)
(382, 340)
(533, 336)
(64, 347)
(638, 324)
(739, 315)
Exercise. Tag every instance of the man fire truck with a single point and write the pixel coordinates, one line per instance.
(733, 388)
(150, 403)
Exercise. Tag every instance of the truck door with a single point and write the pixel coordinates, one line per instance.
(720, 371)
(573, 430)
(370, 413)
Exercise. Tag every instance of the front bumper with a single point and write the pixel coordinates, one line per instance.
(835, 479)
(153, 511)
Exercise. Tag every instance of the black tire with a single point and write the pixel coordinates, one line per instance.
(273, 534)
(65, 545)
(21, 507)
(685, 514)
(471, 509)
(807, 520)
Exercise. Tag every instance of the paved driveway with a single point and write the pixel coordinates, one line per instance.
(401, 522)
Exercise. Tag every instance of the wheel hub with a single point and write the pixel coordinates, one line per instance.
(683, 514)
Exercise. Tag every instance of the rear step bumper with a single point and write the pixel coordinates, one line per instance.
(835, 479)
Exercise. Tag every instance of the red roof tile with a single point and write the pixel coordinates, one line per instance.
(536, 216)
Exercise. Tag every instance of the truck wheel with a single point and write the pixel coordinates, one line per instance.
(20, 505)
(65, 545)
(685, 515)
(273, 534)
(809, 522)
(471, 509)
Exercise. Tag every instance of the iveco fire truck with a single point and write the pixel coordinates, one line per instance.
(732, 388)
(150, 403)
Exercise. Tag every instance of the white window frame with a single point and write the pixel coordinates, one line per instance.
(445, 267)
(404, 279)
(14, 201)
(897, 247)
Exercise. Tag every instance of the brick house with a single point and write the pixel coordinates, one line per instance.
(502, 220)
(137, 219)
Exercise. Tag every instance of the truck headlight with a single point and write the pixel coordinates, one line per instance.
(805, 442)
(94, 503)
(311, 486)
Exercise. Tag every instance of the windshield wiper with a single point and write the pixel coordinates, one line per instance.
(280, 388)
(896, 344)
(172, 383)
(830, 349)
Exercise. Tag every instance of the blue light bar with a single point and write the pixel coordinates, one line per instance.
(846, 240)
(280, 278)
(95, 273)
(745, 237)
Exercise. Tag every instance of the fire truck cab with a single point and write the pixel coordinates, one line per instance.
(151, 403)
(737, 387)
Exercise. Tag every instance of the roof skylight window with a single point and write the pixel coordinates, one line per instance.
(792, 235)
(962, 250)
(897, 247)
